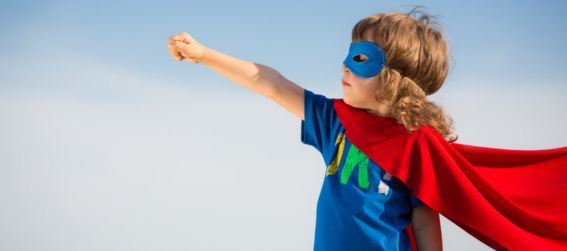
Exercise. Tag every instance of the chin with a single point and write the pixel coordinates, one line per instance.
(347, 100)
(350, 102)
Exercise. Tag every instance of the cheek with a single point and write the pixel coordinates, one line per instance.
(369, 89)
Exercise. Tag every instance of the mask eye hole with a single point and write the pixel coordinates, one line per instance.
(360, 58)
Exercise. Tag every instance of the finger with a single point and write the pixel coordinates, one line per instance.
(174, 52)
(173, 49)
(185, 37)
(181, 48)
(176, 37)
(173, 38)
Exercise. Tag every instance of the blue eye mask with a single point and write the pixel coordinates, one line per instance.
(369, 67)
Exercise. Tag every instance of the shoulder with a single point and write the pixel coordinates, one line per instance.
(426, 131)
(316, 99)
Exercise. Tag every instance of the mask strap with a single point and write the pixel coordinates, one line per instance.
(404, 76)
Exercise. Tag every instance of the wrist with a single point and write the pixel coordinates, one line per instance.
(204, 55)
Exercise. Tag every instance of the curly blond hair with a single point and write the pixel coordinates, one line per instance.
(416, 66)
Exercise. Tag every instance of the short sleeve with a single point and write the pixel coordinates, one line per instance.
(415, 201)
(321, 125)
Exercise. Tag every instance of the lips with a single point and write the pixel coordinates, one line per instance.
(345, 83)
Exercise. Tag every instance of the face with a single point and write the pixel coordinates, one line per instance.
(361, 68)
(357, 91)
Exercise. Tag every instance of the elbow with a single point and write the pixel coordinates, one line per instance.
(274, 88)
(268, 81)
(265, 81)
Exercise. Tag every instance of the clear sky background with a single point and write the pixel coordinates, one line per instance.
(107, 143)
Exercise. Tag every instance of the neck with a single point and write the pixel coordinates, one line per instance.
(381, 111)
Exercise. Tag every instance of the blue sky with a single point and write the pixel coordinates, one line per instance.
(110, 144)
(506, 41)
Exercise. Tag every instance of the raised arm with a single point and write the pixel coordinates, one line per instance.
(256, 77)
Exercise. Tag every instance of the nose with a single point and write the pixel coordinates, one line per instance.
(344, 68)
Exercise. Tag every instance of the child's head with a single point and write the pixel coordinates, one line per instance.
(416, 64)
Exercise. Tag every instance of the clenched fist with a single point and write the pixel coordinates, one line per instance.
(183, 46)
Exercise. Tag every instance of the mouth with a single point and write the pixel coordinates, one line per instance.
(345, 83)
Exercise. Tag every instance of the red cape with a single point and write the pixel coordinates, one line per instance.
(508, 199)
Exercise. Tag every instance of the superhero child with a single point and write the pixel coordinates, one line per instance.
(392, 163)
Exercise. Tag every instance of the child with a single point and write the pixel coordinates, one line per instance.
(391, 161)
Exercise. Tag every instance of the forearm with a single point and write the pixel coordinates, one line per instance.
(255, 77)
(428, 238)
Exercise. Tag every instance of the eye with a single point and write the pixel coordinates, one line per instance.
(360, 58)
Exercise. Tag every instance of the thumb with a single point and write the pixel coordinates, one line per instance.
(183, 49)
(185, 37)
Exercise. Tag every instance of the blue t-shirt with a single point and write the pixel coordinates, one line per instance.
(361, 207)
